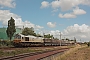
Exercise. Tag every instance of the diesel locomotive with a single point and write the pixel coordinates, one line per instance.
(22, 40)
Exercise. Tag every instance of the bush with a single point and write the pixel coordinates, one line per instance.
(6, 43)
(88, 43)
(1, 53)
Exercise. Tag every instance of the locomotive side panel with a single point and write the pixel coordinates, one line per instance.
(32, 40)
(47, 40)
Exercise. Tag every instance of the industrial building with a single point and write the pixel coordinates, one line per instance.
(3, 34)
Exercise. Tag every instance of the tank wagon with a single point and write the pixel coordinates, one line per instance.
(22, 40)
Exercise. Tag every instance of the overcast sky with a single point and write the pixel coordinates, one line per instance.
(70, 17)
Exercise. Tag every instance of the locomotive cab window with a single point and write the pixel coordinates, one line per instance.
(17, 36)
(26, 38)
(22, 37)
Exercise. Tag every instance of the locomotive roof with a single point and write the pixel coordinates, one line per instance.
(29, 36)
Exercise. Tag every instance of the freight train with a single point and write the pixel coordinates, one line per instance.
(22, 40)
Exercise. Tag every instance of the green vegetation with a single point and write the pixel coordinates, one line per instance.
(38, 35)
(88, 44)
(48, 36)
(56, 38)
(71, 40)
(6, 43)
(16, 52)
(28, 31)
(11, 28)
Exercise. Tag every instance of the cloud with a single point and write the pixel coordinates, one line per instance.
(44, 4)
(85, 2)
(52, 25)
(78, 31)
(5, 15)
(55, 10)
(65, 4)
(39, 27)
(67, 15)
(7, 3)
(78, 11)
(68, 5)
(55, 4)
(73, 14)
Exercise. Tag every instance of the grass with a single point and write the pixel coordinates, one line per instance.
(66, 54)
(4, 53)
(16, 52)
(69, 52)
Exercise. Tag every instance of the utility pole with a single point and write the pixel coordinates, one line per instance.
(80, 40)
(44, 38)
(64, 38)
(74, 39)
(43, 35)
(60, 35)
(60, 38)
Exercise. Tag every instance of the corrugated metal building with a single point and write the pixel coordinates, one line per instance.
(3, 34)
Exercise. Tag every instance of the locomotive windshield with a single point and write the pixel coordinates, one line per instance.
(17, 36)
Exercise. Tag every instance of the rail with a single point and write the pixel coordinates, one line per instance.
(20, 56)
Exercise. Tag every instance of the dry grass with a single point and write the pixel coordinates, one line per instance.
(81, 54)
(70, 52)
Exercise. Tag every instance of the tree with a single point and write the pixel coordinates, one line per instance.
(11, 28)
(28, 31)
(48, 36)
(56, 38)
(38, 35)
(67, 39)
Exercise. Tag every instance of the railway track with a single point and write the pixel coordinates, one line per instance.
(22, 56)
(13, 48)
